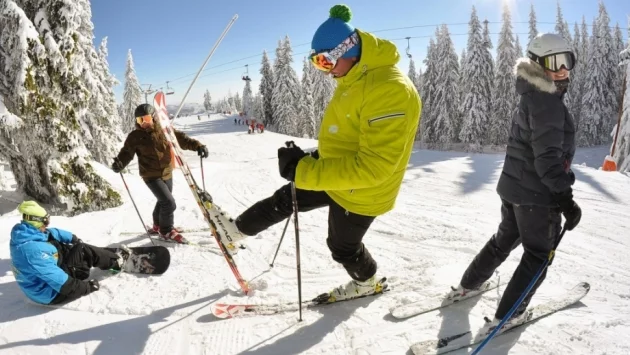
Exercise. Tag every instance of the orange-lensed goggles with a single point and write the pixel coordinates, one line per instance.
(326, 60)
(144, 119)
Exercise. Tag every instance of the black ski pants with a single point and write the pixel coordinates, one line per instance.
(77, 261)
(163, 213)
(537, 228)
(345, 229)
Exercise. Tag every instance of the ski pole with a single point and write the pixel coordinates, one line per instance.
(280, 243)
(136, 207)
(297, 245)
(552, 253)
(203, 178)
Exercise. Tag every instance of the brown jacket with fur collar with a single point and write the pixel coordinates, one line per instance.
(541, 145)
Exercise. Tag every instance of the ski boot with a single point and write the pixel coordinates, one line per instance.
(174, 236)
(460, 292)
(516, 320)
(123, 253)
(357, 289)
(227, 230)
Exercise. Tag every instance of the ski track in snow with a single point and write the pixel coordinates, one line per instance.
(446, 211)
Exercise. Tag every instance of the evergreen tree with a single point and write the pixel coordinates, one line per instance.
(488, 42)
(207, 100)
(619, 72)
(622, 150)
(323, 89)
(476, 104)
(413, 74)
(266, 90)
(518, 48)
(446, 118)
(306, 122)
(257, 108)
(599, 95)
(583, 60)
(132, 96)
(561, 26)
(577, 78)
(504, 98)
(247, 98)
(286, 91)
(533, 30)
(44, 93)
(425, 131)
(238, 102)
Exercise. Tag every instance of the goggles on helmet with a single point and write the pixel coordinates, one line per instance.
(44, 220)
(555, 62)
(144, 119)
(327, 59)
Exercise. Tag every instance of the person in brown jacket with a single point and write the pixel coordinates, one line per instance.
(156, 162)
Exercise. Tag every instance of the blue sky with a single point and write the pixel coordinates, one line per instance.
(169, 40)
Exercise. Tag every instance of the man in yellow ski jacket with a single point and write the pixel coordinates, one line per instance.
(365, 142)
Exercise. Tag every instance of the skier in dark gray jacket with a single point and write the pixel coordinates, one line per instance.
(535, 185)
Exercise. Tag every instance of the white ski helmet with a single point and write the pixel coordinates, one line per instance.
(549, 44)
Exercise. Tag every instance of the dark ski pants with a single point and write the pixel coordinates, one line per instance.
(537, 228)
(165, 205)
(345, 229)
(77, 261)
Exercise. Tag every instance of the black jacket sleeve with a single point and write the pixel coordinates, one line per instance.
(546, 122)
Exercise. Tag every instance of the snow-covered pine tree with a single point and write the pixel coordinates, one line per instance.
(533, 30)
(517, 47)
(504, 98)
(231, 103)
(247, 98)
(576, 88)
(257, 108)
(476, 103)
(582, 62)
(238, 102)
(446, 118)
(622, 150)
(207, 100)
(413, 74)
(599, 95)
(426, 129)
(109, 81)
(286, 91)
(42, 89)
(266, 89)
(132, 96)
(306, 120)
(618, 74)
(488, 41)
(561, 26)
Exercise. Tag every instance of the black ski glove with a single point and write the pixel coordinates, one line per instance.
(288, 159)
(315, 154)
(202, 151)
(117, 166)
(93, 285)
(570, 210)
(76, 240)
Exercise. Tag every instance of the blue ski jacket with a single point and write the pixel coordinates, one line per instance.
(35, 261)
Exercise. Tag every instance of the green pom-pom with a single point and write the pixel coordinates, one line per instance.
(341, 12)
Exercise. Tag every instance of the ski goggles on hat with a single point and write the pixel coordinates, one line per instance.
(326, 60)
(144, 119)
(555, 62)
(44, 220)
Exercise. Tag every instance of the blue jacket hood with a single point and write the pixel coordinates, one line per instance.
(24, 232)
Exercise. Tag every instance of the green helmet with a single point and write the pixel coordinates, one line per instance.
(34, 214)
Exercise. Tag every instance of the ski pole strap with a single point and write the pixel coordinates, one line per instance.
(523, 295)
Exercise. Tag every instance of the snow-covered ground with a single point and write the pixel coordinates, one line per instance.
(446, 211)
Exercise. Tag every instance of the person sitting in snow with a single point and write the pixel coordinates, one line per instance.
(364, 145)
(535, 184)
(52, 265)
(156, 161)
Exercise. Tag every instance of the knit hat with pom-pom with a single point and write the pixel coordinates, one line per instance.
(334, 30)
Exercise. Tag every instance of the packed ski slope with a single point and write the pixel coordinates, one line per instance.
(446, 211)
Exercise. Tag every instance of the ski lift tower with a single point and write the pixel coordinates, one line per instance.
(148, 92)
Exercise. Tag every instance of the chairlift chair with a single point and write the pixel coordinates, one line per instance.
(169, 90)
(408, 54)
(245, 76)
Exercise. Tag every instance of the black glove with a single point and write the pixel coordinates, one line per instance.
(117, 166)
(76, 240)
(202, 151)
(315, 154)
(94, 285)
(288, 159)
(570, 210)
(571, 176)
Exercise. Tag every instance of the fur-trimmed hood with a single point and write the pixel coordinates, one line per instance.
(534, 74)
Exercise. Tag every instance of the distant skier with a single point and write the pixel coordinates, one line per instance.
(156, 161)
(52, 265)
(365, 142)
(535, 185)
